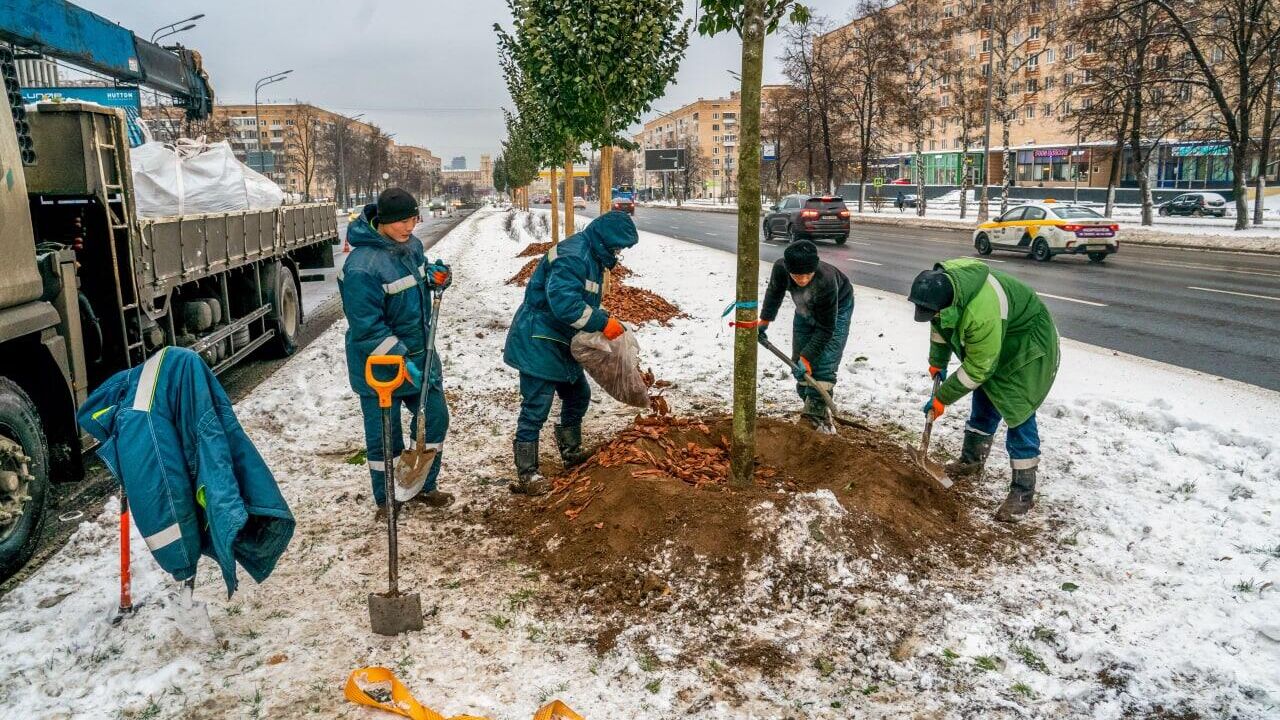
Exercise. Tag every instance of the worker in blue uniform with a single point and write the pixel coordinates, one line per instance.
(386, 284)
(561, 300)
(195, 482)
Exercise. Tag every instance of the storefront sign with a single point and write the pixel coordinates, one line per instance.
(1051, 152)
(1200, 150)
(127, 98)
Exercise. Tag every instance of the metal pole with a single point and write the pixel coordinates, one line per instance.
(342, 167)
(984, 204)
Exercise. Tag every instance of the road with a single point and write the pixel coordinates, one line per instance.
(1217, 312)
(71, 503)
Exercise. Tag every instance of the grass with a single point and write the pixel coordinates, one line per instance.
(358, 458)
(648, 662)
(404, 664)
(537, 634)
(150, 712)
(986, 662)
(255, 704)
(500, 622)
(1029, 658)
(654, 685)
(1024, 690)
(870, 690)
(824, 666)
(233, 610)
(517, 601)
(1246, 586)
(1186, 488)
(1044, 634)
(949, 657)
(549, 693)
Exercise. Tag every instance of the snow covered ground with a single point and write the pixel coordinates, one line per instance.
(1152, 597)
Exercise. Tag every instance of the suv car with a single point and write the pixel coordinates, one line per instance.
(801, 217)
(1195, 203)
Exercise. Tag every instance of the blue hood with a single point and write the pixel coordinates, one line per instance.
(615, 230)
(362, 233)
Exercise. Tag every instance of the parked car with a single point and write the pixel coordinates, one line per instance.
(625, 204)
(1195, 203)
(901, 181)
(906, 200)
(578, 202)
(542, 200)
(800, 217)
(1044, 229)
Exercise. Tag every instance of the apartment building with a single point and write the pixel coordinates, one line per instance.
(707, 127)
(481, 179)
(1054, 67)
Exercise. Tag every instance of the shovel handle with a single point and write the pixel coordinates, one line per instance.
(385, 388)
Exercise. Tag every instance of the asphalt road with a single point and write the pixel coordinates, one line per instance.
(1217, 312)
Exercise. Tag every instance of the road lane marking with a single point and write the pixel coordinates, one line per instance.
(1074, 300)
(1191, 266)
(993, 260)
(864, 262)
(1229, 292)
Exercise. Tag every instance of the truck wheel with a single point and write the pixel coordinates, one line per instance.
(1040, 250)
(24, 477)
(286, 309)
(982, 244)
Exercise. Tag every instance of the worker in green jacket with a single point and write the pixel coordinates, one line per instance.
(1008, 350)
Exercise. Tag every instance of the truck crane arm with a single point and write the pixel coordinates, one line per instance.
(68, 32)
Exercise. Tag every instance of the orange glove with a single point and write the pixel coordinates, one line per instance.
(613, 329)
(935, 407)
(800, 369)
(938, 372)
(440, 277)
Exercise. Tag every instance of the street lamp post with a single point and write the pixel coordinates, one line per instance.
(173, 28)
(257, 122)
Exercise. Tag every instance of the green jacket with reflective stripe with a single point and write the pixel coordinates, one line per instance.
(1003, 335)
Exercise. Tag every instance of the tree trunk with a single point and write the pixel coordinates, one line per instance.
(1117, 160)
(606, 179)
(919, 163)
(1141, 160)
(1264, 154)
(965, 175)
(555, 210)
(1006, 164)
(743, 453)
(570, 227)
(1240, 167)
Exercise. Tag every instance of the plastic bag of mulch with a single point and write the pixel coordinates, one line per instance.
(614, 365)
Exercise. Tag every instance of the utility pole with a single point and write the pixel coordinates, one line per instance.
(257, 121)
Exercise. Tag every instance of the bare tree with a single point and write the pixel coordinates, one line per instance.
(1233, 45)
(817, 69)
(874, 60)
(302, 146)
(695, 167)
(782, 124)
(916, 100)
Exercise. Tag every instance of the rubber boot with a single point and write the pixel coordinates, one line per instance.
(1022, 493)
(433, 499)
(528, 480)
(973, 456)
(569, 440)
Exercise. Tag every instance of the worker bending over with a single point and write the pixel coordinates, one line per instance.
(1008, 350)
(561, 300)
(823, 297)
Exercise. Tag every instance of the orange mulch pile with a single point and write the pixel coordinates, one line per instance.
(695, 464)
(536, 249)
(522, 278)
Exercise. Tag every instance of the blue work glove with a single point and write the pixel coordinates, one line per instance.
(800, 369)
(762, 328)
(938, 372)
(415, 375)
(439, 275)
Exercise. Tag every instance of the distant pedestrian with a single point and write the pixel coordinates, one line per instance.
(900, 202)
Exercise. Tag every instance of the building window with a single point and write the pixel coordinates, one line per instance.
(715, 116)
(973, 52)
(1068, 79)
(715, 151)
(1090, 47)
(1030, 112)
(1046, 110)
(1035, 31)
(1068, 51)
(1087, 103)
(715, 161)
(986, 70)
(715, 138)
(986, 45)
(1048, 83)
(1033, 85)
(1219, 55)
(1050, 56)
(1033, 61)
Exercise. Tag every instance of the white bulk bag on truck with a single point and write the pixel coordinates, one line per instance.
(190, 177)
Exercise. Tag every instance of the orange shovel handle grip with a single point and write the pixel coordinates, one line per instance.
(384, 388)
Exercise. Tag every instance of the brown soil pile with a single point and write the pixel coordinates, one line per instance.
(638, 306)
(537, 249)
(522, 278)
(653, 509)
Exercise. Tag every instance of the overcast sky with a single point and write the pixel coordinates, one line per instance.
(426, 70)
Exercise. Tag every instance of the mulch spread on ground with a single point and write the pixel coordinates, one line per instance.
(660, 488)
(537, 249)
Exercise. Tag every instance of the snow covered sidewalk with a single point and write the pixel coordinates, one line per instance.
(1148, 591)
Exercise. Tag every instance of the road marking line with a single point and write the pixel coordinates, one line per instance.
(993, 260)
(1074, 300)
(864, 262)
(709, 234)
(1190, 266)
(1229, 292)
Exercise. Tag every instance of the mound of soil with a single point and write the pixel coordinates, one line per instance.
(652, 509)
(522, 278)
(638, 306)
(537, 249)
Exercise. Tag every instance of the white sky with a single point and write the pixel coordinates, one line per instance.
(426, 70)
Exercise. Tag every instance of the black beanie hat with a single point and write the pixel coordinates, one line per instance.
(801, 258)
(931, 291)
(396, 204)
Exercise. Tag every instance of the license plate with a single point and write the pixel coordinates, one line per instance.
(1093, 232)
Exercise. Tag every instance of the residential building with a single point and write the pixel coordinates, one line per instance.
(708, 129)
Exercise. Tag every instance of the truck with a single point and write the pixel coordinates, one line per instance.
(87, 289)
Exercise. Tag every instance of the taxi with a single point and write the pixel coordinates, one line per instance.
(1047, 228)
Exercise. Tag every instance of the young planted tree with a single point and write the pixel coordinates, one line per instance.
(752, 20)
(1232, 44)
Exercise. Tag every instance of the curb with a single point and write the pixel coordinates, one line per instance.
(1128, 236)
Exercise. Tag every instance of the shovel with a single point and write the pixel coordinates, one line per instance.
(921, 455)
(415, 464)
(394, 612)
(826, 396)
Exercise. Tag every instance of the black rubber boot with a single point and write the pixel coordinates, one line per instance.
(528, 480)
(1022, 493)
(973, 457)
(434, 499)
(569, 440)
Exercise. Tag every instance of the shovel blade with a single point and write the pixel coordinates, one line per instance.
(934, 470)
(411, 472)
(393, 614)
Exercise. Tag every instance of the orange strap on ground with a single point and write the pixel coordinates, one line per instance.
(404, 704)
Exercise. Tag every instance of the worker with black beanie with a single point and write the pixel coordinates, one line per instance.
(823, 297)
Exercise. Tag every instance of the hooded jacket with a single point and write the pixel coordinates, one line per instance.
(820, 301)
(563, 298)
(195, 482)
(1003, 335)
(385, 297)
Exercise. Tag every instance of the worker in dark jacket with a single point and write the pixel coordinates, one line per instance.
(196, 484)
(561, 300)
(824, 311)
(385, 284)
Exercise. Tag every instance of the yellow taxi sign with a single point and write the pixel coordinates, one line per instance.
(1048, 201)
